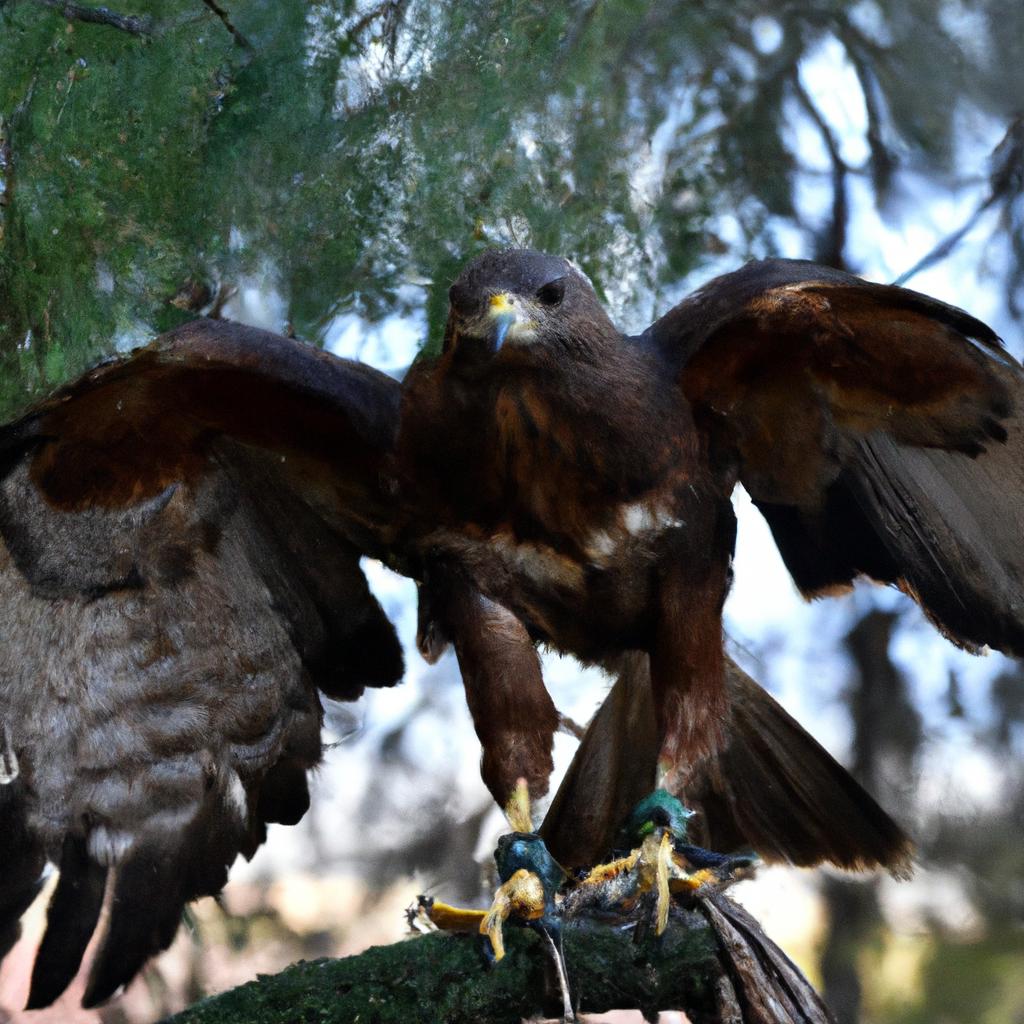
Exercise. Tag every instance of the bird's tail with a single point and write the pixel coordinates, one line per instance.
(771, 786)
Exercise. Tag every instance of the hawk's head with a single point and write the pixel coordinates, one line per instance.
(524, 303)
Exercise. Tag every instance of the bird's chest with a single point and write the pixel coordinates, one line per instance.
(563, 501)
(596, 596)
(586, 477)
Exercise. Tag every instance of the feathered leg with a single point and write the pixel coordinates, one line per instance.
(514, 716)
(688, 669)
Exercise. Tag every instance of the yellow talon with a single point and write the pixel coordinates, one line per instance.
(691, 883)
(454, 919)
(491, 927)
(606, 872)
(522, 896)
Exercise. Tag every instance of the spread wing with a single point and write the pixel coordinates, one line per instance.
(880, 432)
(180, 581)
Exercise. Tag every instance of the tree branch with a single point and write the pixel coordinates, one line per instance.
(136, 25)
(713, 963)
(1005, 178)
(240, 39)
(883, 160)
(832, 241)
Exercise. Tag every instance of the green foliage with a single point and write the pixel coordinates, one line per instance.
(340, 150)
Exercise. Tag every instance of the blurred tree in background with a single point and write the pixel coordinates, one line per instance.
(345, 158)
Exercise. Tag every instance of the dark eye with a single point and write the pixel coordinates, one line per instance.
(552, 293)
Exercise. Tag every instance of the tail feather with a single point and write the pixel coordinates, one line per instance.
(614, 768)
(771, 787)
(774, 787)
(70, 922)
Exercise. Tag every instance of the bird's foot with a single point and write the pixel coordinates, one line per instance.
(718, 877)
(521, 898)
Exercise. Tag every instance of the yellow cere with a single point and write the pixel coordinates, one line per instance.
(501, 303)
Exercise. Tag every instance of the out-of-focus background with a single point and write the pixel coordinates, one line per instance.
(325, 168)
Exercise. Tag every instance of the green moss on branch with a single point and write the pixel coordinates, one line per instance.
(446, 978)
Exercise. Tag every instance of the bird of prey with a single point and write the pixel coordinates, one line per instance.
(182, 529)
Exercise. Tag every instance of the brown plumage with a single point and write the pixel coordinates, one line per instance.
(180, 583)
(584, 485)
(182, 530)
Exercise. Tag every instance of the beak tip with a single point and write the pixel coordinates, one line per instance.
(504, 323)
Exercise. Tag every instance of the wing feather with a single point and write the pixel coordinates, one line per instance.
(873, 426)
(181, 534)
(70, 921)
(23, 860)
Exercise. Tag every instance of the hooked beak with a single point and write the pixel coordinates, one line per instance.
(504, 315)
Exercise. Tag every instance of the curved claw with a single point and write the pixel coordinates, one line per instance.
(522, 896)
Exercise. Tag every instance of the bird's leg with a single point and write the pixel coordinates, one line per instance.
(662, 867)
(513, 714)
(688, 669)
(517, 808)
(648, 868)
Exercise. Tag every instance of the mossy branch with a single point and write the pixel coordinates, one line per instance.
(445, 979)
